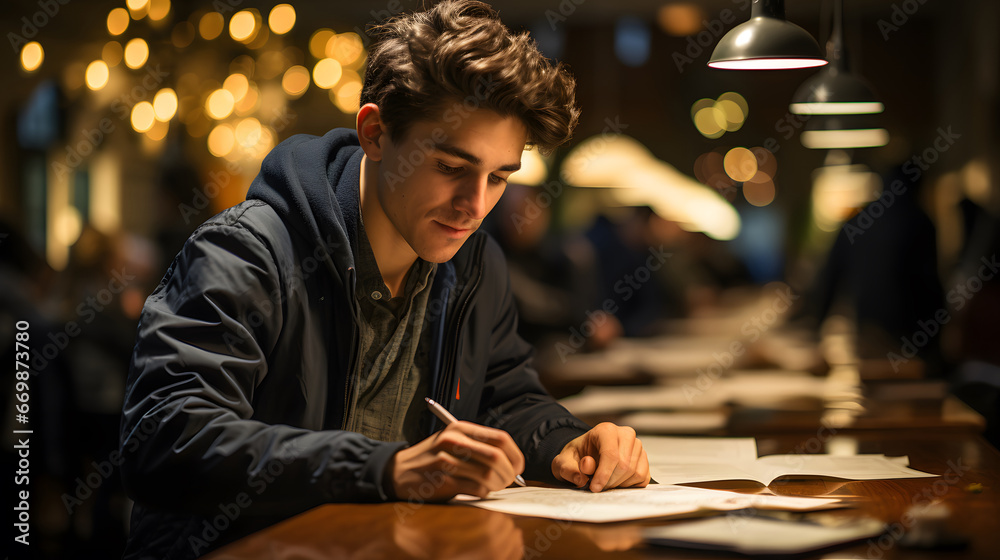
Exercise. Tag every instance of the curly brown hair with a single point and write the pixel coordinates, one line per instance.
(458, 53)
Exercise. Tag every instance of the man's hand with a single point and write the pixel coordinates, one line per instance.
(609, 456)
(463, 458)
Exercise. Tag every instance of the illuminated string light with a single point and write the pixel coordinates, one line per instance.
(281, 19)
(118, 20)
(165, 104)
(32, 56)
(97, 75)
(220, 104)
(136, 53)
(327, 73)
(143, 116)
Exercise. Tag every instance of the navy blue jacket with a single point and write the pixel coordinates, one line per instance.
(245, 356)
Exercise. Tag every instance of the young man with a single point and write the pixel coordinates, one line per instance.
(284, 358)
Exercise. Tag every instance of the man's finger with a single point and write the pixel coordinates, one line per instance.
(497, 438)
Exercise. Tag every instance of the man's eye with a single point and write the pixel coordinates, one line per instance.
(497, 179)
(448, 169)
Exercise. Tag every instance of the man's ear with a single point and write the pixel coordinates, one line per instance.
(371, 131)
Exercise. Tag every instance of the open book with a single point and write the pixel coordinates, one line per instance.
(679, 460)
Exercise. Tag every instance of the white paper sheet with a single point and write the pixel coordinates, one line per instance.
(656, 500)
(756, 535)
(676, 460)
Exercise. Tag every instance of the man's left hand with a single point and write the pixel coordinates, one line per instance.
(608, 456)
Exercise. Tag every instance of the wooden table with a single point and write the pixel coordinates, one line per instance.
(442, 531)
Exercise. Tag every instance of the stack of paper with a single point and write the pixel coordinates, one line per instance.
(759, 535)
(688, 460)
(656, 500)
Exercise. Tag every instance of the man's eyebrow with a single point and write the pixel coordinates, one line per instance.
(462, 154)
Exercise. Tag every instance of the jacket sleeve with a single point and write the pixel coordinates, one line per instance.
(189, 441)
(514, 398)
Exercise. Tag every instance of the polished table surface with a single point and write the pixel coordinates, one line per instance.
(969, 486)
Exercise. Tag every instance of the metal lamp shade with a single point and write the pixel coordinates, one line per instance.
(767, 42)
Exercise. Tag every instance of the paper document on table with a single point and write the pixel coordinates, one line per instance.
(657, 500)
(690, 460)
(759, 535)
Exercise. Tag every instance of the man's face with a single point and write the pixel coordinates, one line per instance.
(443, 178)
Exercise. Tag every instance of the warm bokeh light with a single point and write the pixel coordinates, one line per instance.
(158, 131)
(715, 117)
(327, 73)
(136, 53)
(211, 25)
(236, 84)
(710, 121)
(737, 99)
(138, 9)
(680, 19)
(165, 104)
(32, 56)
(347, 97)
(318, 42)
(767, 163)
(158, 9)
(220, 104)
(97, 74)
(295, 82)
(243, 26)
(759, 190)
(143, 116)
(281, 19)
(183, 34)
(837, 108)
(740, 164)
(68, 225)
(248, 132)
(118, 19)
(221, 140)
(732, 113)
(533, 170)
(249, 102)
(112, 53)
(346, 48)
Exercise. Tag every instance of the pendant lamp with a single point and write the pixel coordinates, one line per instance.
(835, 90)
(767, 42)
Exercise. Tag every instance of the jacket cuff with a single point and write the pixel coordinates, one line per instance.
(374, 480)
(551, 445)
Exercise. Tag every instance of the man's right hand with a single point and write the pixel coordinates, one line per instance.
(463, 458)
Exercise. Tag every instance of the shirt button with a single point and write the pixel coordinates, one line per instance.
(376, 295)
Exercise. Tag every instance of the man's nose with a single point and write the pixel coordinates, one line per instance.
(471, 197)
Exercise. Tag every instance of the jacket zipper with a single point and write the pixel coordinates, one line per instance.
(352, 363)
(444, 389)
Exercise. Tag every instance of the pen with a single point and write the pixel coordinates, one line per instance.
(446, 417)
